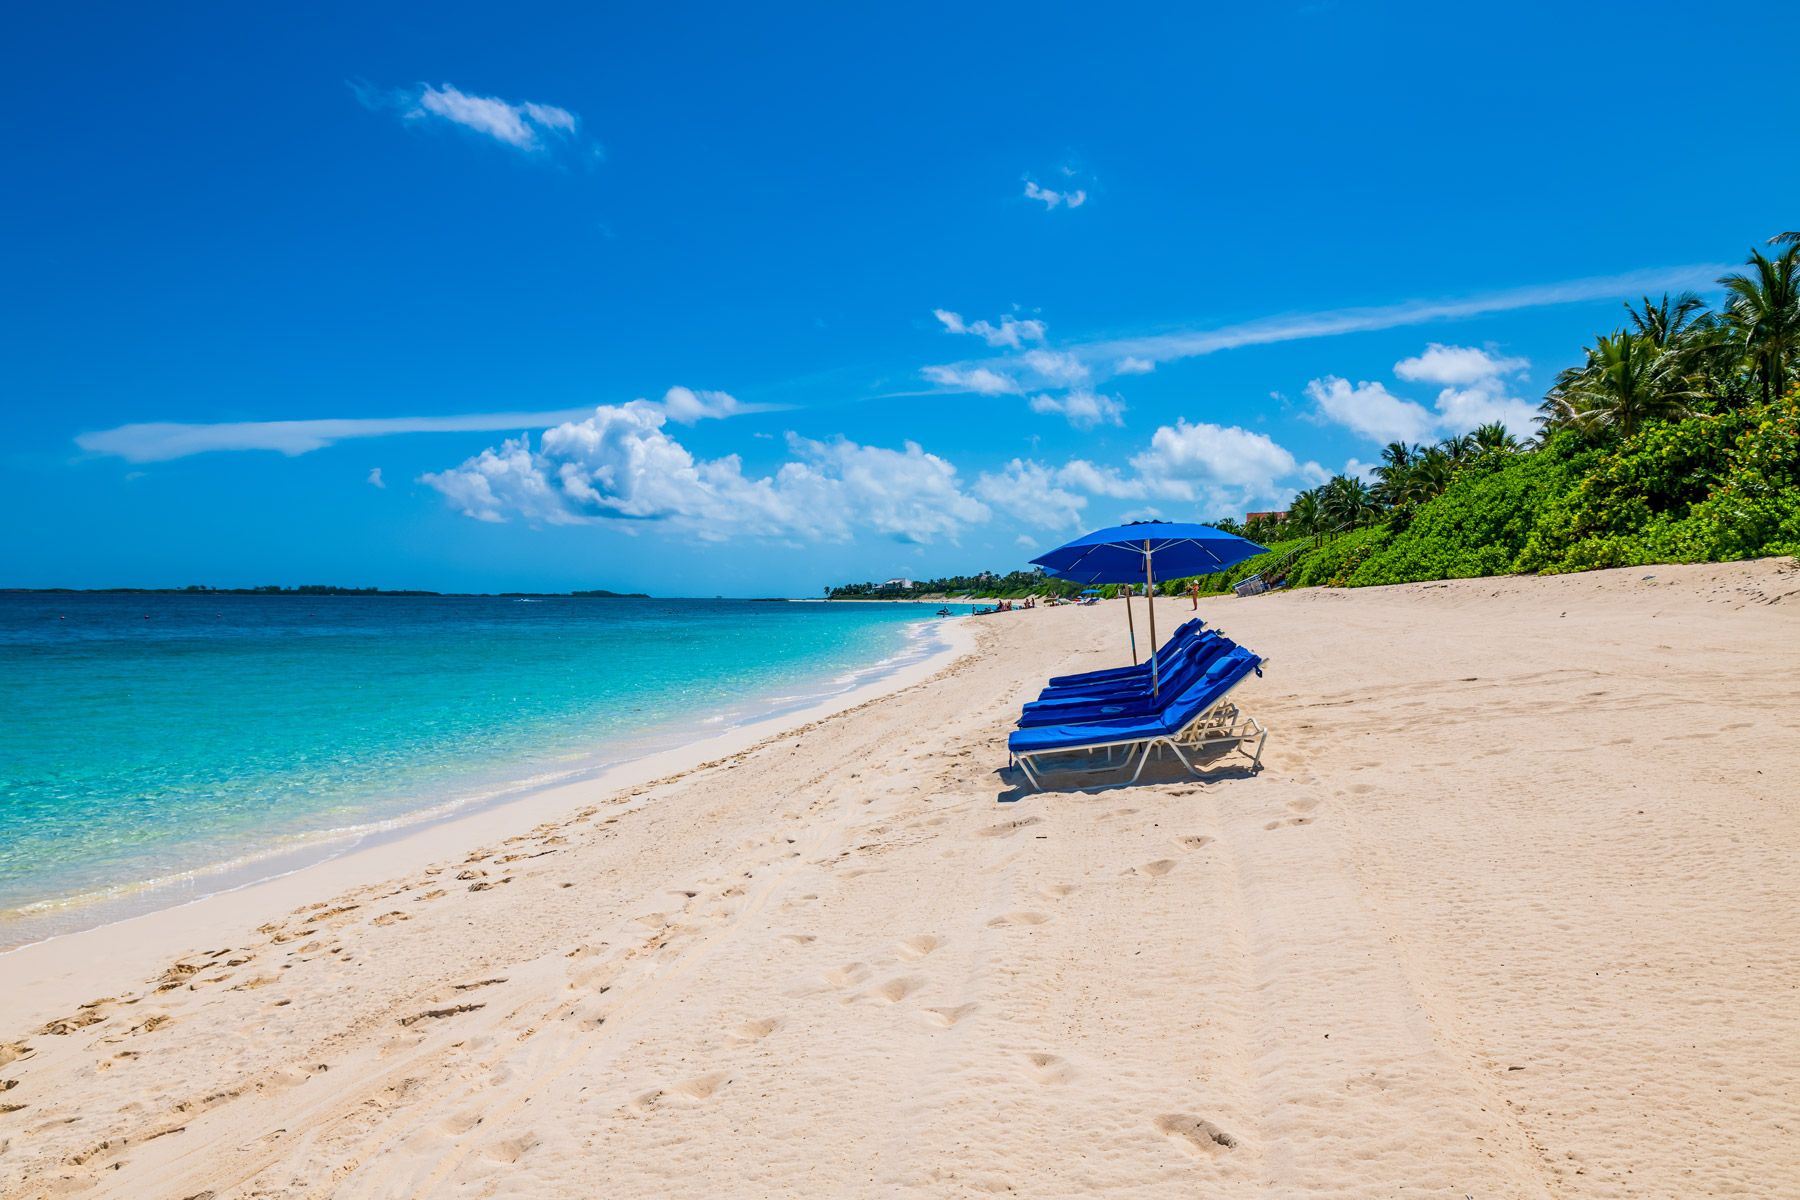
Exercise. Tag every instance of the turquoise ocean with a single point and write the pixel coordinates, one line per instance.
(156, 748)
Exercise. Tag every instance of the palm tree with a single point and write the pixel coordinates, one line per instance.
(1625, 381)
(1304, 514)
(1347, 502)
(1762, 314)
(1431, 473)
(1664, 323)
(1396, 460)
(1791, 238)
(1493, 438)
(1460, 449)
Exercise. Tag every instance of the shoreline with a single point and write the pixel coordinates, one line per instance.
(426, 834)
(476, 789)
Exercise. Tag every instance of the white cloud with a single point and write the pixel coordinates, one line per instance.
(1050, 199)
(621, 464)
(1356, 468)
(1133, 366)
(1462, 409)
(1011, 331)
(1056, 367)
(1477, 394)
(159, 441)
(163, 440)
(524, 125)
(1100, 481)
(980, 380)
(375, 478)
(1370, 410)
(1031, 492)
(1220, 456)
(687, 406)
(1168, 347)
(1455, 365)
(1084, 409)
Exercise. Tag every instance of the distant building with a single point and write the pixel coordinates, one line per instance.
(898, 583)
(1268, 516)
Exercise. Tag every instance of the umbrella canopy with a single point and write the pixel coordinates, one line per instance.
(1118, 554)
(1090, 591)
(1143, 550)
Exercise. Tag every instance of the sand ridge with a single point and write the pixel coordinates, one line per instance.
(1511, 911)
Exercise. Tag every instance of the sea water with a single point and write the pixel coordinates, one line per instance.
(158, 747)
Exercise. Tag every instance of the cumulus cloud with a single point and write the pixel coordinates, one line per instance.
(1130, 365)
(1100, 481)
(1033, 493)
(621, 464)
(981, 380)
(1477, 392)
(1051, 199)
(687, 406)
(1201, 455)
(375, 478)
(1455, 365)
(1370, 410)
(1084, 409)
(524, 124)
(1483, 401)
(1012, 331)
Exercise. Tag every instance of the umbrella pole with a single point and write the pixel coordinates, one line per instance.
(1150, 600)
(1130, 626)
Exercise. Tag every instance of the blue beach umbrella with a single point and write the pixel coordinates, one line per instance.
(1143, 550)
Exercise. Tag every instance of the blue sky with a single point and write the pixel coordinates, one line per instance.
(745, 300)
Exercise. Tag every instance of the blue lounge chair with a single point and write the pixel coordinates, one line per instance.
(1174, 645)
(1065, 706)
(1198, 717)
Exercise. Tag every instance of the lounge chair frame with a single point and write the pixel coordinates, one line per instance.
(1224, 724)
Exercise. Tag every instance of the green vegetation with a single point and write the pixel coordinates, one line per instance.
(987, 585)
(1676, 440)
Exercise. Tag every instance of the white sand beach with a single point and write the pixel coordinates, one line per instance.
(1513, 910)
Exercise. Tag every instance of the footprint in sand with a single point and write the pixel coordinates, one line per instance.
(944, 1018)
(701, 1087)
(1287, 822)
(799, 939)
(511, 1150)
(1018, 918)
(756, 1029)
(1008, 828)
(1048, 1068)
(896, 990)
(1157, 869)
(914, 948)
(1194, 841)
(846, 975)
(1056, 891)
(1196, 1135)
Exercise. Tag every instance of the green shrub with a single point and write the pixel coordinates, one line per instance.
(1332, 564)
(1481, 522)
